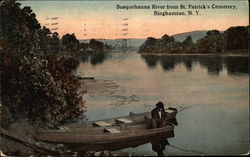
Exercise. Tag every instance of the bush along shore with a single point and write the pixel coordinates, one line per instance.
(232, 41)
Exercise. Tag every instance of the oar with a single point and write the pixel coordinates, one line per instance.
(184, 108)
(185, 150)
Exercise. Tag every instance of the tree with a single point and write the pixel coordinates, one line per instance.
(148, 45)
(236, 38)
(188, 42)
(212, 33)
(55, 43)
(44, 38)
(167, 40)
(70, 42)
(96, 45)
(166, 43)
(213, 42)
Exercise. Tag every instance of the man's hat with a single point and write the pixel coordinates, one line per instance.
(160, 104)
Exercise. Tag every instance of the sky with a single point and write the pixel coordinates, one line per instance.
(101, 18)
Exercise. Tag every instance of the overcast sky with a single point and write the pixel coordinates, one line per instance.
(101, 19)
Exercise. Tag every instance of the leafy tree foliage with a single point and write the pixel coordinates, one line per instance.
(212, 33)
(96, 45)
(234, 38)
(148, 46)
(55, 43)
(188, 42)
(34, 83)
(166, 44)
(70, 42)
(213, 42)
(167, 40)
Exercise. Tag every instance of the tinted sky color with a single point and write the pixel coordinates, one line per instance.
(101, 19)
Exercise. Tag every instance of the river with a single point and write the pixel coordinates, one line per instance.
(214, 88)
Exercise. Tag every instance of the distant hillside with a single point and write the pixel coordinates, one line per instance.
(195, 35)
(132, 42)
(136, 43)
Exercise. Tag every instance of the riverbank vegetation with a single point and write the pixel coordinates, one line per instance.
(36, 83)
(233, 40)
(71, 45)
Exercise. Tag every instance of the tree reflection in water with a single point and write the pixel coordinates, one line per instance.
(188, 64)
(235, 65)
(151, 60)
(214, 64)
(168, 64)
(94, 58)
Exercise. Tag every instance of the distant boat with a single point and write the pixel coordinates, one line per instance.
(110, 134)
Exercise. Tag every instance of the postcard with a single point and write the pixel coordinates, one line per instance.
(124, 78)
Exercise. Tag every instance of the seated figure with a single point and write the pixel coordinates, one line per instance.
(158, 116)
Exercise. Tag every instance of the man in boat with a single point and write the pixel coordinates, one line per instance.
(158, 115)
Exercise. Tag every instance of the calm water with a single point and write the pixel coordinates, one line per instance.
(216, 88)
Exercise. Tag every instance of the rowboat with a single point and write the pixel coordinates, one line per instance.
(111, 134)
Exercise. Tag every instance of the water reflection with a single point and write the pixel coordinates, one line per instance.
(159, 146)
(237, 65)
(94, 58)
(213, 64)
(152, 61)
(168, 63)
(188, 64)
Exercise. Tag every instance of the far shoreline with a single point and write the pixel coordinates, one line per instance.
(199, 54)
(225, 54)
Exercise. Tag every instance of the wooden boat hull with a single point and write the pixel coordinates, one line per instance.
(82, 142)
(86, 136)
(91, 137)
(121, 144)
